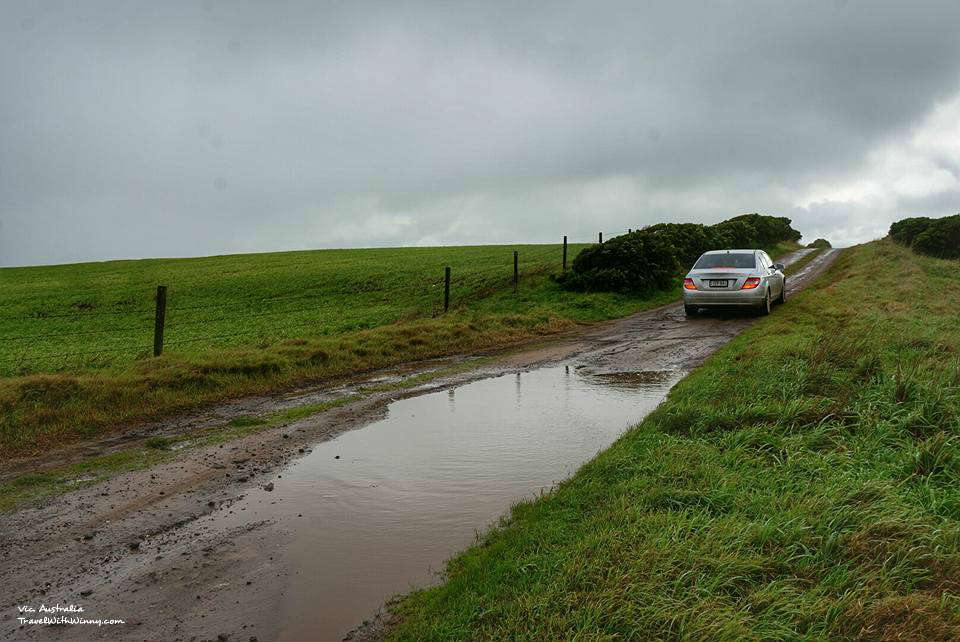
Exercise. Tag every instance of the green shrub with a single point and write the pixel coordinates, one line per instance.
(820, 243)
(734, 234)
(652, 258)
(938, 237)
(904, 231)
(768, 230)
(636, 262)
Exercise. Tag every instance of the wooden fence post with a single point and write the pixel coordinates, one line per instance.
(516, 272)
(601, 237)
(564, 252)
(159, 319)
(446, 288)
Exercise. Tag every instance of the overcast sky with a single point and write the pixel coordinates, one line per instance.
(137, 129)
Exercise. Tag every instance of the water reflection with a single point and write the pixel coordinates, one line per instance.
(413, 488)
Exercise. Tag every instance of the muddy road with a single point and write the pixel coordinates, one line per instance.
(301, 531)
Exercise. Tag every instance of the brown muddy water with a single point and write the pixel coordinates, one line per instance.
(377, 510)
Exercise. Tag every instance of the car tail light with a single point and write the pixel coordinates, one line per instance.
(750, 283)
(689, 284)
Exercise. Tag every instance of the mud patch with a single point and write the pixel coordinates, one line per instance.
(638, 380)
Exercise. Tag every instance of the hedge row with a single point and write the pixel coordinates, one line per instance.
(652, 258)
(938, 237)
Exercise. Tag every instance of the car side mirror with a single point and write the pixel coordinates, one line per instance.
(779, 266)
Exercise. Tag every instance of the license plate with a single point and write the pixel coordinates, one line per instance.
(718, 284)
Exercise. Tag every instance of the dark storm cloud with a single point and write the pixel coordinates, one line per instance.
(142, 129)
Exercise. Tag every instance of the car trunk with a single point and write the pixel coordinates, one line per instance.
(720, 278)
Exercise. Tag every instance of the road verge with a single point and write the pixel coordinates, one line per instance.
(801, 484)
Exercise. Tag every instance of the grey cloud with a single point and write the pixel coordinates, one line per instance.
(174, 129)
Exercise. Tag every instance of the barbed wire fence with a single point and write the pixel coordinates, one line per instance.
(130, 333)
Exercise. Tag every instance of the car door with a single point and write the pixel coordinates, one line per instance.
(776, 276)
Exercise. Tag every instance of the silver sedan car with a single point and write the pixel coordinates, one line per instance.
(734, 279)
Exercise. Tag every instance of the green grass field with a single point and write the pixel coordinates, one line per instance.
(802, 484)
(76, 340)
(97, 315)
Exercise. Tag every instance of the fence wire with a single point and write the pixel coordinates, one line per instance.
(465, 286)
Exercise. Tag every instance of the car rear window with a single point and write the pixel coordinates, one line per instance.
(725, 260)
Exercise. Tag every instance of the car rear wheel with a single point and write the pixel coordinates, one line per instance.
(691, 310)
(783, 294)
(765, 305)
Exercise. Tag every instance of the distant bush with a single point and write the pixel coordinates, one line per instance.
(768, 230)
(903, 232)
(822, 243)
(941, 238)
(652, 258)
(938, 237)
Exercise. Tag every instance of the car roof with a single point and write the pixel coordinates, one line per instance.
(728, 251)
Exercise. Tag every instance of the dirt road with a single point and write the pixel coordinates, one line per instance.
(172, 550)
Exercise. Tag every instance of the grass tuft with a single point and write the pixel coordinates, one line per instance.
(158, 443)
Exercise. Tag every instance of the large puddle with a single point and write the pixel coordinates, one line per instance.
(379, 509)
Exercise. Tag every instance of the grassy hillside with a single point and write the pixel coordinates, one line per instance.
(76, 340)
(803, 484)
(96, 315)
